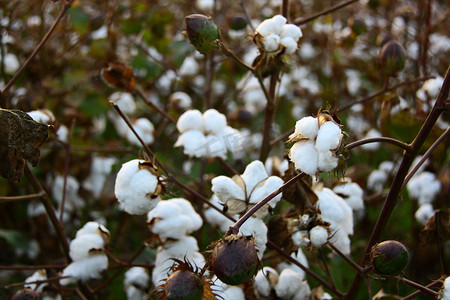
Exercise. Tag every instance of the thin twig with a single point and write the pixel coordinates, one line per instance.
(302, 21)
(20, 198)
(66, 169)
(380, 139)
(417, 286)
(141, 95)
(418, 292)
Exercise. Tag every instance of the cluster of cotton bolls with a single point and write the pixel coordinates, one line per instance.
(424, 187)
(172, 221)
(205, 135)
(287, 282)
(136, 282)
(137, 187)
(274, 36)
(377, 178)
(142, 126)
(87, 253)
(316, 143)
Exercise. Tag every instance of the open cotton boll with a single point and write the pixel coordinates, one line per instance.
(254, 173)
(11, 63)
(190, 120)
(144, 128)
(292, 31)
(352, 194)
(291, 285)
(85, 269)
(80, 246)
(269, 185)
(187, 209)
(424, 187)
(258, 229)
(328, 137)
(290, 45)
(135, 282)
(305, 157)
(37, 276)
(424, 212)
(271, 43)
(189, 67)
(181, 100)
(334, 209)
(327, 161)
(213, 121)
(43, 116)
(372, 133)
(215, 147)
(307, 127)
(318, 236)
(225, 189)
(93, 228)
(125, 101)
(376, 180)
(445, 291)
(273, 25)
(134, 187)
(265, 280)
(193, 142)
(300, 257)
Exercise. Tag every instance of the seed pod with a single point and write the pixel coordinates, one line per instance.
(202, 32)
(392, 58)
(183, 285)
(234, 259)
(389, 257)
(25, 294)
(238, 23)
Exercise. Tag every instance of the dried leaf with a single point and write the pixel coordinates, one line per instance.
(21, 138)
(437, 227)
(279, 233)
(119, 75)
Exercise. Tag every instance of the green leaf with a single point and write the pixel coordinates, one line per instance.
(79, 19)
(15, 239)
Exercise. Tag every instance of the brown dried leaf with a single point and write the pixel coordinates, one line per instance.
(279, 233)
(21, 138)
(437, 227)
(119, 75)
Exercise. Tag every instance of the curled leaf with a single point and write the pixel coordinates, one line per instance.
(119, 75)
(21, 138)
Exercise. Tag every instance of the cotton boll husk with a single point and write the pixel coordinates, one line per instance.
(291, 284)
(225, 189)
(36, 276)
(424, 212)
(290, 45)
(307, 127)
(189, 67)
(271, 42)
(269, 185)
(144, 128)
(254, 173)
(292, 31)
(193, 142)
(190, 120)
(305, 157)
(215, 147)
(85, 269)
(328, 137)
(258, 229)
(261, 282)
(213, 121)
(318, 236)
(327, 161)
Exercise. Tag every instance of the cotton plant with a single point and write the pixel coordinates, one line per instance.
(241, 192)
(316, 143)
(100, 170)
(273, 36)
(87, 251)
(136, 282)
(204, 135)
(137, 187)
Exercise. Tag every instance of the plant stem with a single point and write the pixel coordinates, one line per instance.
(396, 187)
(20, 198)
(269, 114)
(302, 21)
(141, 95)
(417, 286)
(66, 6)
(231, 55)
(418, 292)
(379, 140)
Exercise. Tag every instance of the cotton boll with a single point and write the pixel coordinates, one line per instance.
(37, 276)
(100, 169)
(80, 246)
(254, 173)
(424, 187)
(232, 292)
(327, 161)
(318, 236)
(125, 101)
(269, 185)
(290, 45)
(292, 31)
(292, 286)
(271, 43)
(301, 238)
(225, 189)
(144, 128)
(352, 194)
(328, 137)
(193, 142)
(372, 133)
(85, 269)
(215, 147)
(136, 276)
(215, 218)
(258, 229)
(43, 116)
(376, 180)
(181, 100)
(424, 212)
(11, 63)
(187, 209)
(190, 120)
(446, 289)
(213, 121)
(205, 4)
(273, 25)
(307, 127)
(264, 281)
(305, 157)
(189, 67)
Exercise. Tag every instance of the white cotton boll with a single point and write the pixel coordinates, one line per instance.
(11, 63)
(372, 133)
(43, 116)
(232, 138)
(334, 209)
(258, 229)
(134, 187)
(445, 291)
(133, 293)
(216, 218)
(327, 161)
(270, 185)
(100, 33)
(100, 169)
(181, 99)
(187, 209)
(125, 101)
(432, 86)
(424, 212)
(193, 142)
(298, 256)
(225, 189)
(328, 137)
(213, 121)
(289, 44)
(340, 239)
(205, 4)
(168, 221)
(352, 194)
(80, 246)
(301, 238)
(92, 228)
(254, 173)
(136, 276)
(85, 269)
(387, 166)
(215, 147)
(271, 42)
(262, 282)
(72, 199)
(307, 51)
(376, 180)
(144, 128)
(292, 31)
(37, 276)
(189, 67)
(62, 133)
(190, 120)
(291, 285)
(305, 157)
(307, 127)
(269, 26)
(233, 293)
(424, 187)
(318, 236)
